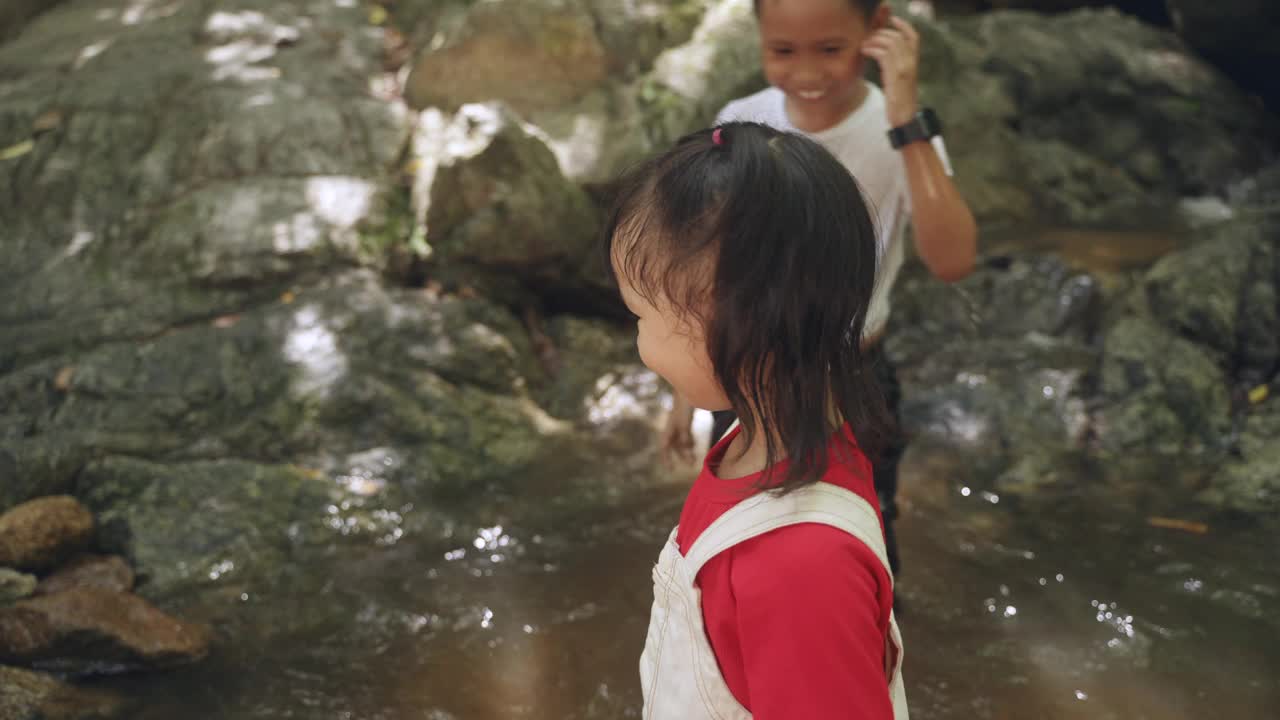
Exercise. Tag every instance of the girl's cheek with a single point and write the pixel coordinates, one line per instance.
(642, 346)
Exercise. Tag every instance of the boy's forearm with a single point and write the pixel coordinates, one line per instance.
(945, 232)
(681, 409)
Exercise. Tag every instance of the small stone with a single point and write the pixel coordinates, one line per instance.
(15, 586)
(94, 631)
(25, 694)
(40, 534)
(46, 121)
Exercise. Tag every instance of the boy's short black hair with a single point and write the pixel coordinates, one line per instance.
(867, 6)
(765, 239)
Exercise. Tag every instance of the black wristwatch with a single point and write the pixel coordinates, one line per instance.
(924, 126)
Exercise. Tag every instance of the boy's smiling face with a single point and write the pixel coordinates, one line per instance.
(812, 51)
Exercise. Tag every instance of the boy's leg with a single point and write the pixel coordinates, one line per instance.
(721, 421)
(886, 465)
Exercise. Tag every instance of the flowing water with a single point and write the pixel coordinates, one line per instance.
(1110, 596)
(1074, 606)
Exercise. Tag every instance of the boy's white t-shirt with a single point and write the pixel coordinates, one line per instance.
(861, 143)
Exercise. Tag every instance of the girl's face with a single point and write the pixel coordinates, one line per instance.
(675, 347)
(812, 51)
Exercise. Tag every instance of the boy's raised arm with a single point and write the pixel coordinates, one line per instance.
(945, 231)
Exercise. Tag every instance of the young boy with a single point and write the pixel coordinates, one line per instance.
(814, 54)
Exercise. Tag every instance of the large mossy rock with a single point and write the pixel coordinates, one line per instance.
(1155, 12)
(1223, 293)
(15, 14)
(246, 408)
(167, 184)
(1086, 117)
(190, 287)
(1250, 481)
(191, 524)
(1163, 393)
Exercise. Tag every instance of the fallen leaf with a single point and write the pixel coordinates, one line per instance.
(62, 381)
(1190, 526)
(1258, 394)
(47, 121)
(17, 151)
(377, 15)
(287, 297)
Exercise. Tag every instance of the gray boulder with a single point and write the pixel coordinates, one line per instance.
(997, 366)
(495, 206)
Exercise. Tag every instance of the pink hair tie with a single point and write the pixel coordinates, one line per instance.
(716, 138)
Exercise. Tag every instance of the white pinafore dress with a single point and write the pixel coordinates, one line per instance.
(678, 670)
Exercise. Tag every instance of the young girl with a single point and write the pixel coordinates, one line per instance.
(748, 257)
(815, 54)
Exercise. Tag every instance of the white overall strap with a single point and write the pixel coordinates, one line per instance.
(820, 502)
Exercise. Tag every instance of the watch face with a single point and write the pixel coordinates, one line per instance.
(932, 125)
(924, 126)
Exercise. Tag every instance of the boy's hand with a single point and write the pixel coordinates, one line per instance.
(897, 49)
(676, 442)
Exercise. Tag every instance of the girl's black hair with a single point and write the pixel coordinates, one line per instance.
(766, 240)
(866, 6)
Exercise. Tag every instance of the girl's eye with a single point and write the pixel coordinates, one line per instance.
(834, 50)
(782, 51)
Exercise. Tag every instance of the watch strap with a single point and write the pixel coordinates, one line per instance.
(924, 126)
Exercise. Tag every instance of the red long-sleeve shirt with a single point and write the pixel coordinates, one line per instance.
(797, 617)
